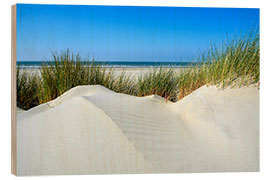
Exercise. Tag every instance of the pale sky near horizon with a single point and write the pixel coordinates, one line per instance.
(126, 33)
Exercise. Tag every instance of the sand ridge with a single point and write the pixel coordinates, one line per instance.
(93, 130)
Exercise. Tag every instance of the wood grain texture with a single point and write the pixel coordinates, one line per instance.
(13, 91)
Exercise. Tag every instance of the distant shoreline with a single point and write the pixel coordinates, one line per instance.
(112, 64)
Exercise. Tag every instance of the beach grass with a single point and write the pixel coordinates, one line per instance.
(234, 64)
(28, 85)
(160, 81)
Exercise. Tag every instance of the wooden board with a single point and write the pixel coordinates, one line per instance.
(13, 90)
(84, 127)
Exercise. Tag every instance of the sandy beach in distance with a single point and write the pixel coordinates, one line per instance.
(131, 71)
(93, 130)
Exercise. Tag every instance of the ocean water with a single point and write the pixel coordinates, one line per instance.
(125, 64)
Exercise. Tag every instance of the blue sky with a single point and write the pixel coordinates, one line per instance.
(125, 33)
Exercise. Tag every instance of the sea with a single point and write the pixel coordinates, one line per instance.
(124, 64)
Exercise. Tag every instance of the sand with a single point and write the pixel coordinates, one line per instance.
(92, 130)
(19, 110)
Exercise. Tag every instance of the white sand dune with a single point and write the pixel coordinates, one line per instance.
(92, 130)
(19, 110)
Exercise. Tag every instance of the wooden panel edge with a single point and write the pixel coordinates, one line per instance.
(13, 89)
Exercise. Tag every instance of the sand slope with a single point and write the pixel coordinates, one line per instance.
(92, 130)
